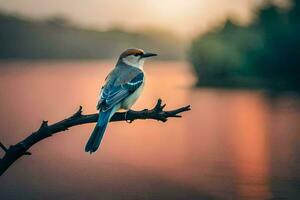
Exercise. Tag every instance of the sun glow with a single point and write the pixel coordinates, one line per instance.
(187, 18)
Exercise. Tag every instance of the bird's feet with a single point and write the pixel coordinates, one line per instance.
(129, 121)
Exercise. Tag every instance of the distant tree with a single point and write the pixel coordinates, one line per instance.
(265, 54)
(58, 38)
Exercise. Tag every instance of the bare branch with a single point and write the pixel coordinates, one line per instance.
(14, 152)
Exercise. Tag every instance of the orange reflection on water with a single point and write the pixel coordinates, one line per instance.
(250, 147)
(228, 148)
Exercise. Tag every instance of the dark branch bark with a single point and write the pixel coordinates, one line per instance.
(14, 152)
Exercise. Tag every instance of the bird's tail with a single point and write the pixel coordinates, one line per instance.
(94, 141)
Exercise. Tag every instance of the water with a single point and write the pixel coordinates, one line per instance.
(231, 145)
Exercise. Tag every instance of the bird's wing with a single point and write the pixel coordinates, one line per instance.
(112, 93)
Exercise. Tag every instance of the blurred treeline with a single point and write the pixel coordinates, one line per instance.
(57, 38)
(265, 54)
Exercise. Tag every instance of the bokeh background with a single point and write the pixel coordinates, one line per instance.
(235, 61)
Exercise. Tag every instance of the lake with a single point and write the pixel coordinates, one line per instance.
(233, 144)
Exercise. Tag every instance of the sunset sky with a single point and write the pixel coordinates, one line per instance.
(185, 17)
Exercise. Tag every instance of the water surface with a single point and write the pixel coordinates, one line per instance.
(234, 144)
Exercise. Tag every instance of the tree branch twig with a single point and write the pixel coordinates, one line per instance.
(14, 152)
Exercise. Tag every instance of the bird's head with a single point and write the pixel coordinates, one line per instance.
(135, 57)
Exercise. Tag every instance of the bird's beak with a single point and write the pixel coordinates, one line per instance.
(148, 54)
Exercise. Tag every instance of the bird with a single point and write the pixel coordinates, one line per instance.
(123, 86)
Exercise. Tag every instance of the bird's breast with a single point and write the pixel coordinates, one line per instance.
(130, 100)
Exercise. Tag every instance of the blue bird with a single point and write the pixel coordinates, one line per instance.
(122, 87)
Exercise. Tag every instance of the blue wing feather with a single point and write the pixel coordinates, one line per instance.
(112, 94)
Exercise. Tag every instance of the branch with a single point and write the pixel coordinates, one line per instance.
(14, 152)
